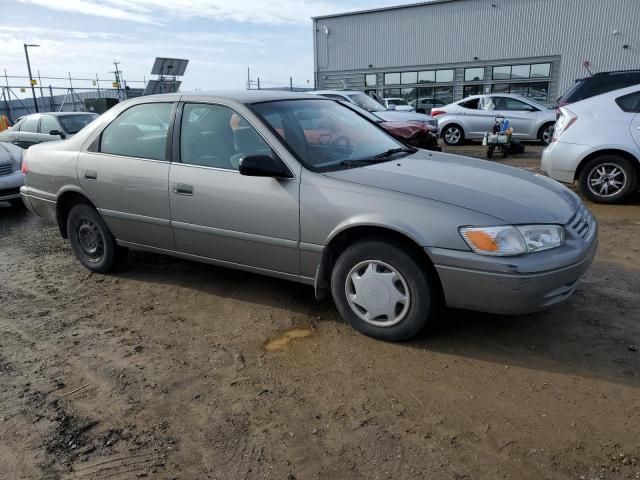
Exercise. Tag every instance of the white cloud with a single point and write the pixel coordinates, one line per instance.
(161, 12)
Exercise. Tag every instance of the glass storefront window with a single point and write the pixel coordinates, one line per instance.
(473, 74)
(500, 88)
(540, 70)
(502, 73)
(427, 76)
(408, 78)
(443, 94)
(370, 80)
(469, 90)
(539, 91)
(392, 78)
(409, 94)
(520, 71)
(391, 92)
(444, 76)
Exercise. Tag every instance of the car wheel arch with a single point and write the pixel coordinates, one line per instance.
(339, 242)
(635, 162)
(65, 202)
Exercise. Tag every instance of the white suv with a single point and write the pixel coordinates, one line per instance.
(597, 142)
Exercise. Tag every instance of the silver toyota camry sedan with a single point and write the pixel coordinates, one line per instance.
(303, 188)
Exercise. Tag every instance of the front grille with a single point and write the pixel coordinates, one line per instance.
(6, 169)
(9, 191)
(582, 222)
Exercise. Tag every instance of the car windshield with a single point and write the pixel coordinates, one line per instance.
(325, 135)
(366, 102)
(74, 123)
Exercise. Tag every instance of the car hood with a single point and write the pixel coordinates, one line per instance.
(509, 194)
(10, 153)
(400, 116)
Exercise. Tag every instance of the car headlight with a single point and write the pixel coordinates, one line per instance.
(512, 240)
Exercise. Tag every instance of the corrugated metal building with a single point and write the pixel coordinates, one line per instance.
(440, 51)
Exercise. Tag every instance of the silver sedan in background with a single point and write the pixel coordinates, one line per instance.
(304, 188)
(471, 117)
(46, 127)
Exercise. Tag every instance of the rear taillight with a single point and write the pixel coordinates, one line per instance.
(25, 167)
(565, 120)
(435, 113)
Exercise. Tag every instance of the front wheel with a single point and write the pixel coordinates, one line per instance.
(608, 179)
(453, 135)
(381, 291)
(91, 240)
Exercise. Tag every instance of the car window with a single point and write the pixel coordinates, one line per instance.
(30, 124)
(47, 124)
(74, 123)
(629, 103)
(507, 103)
(471, 104)
(216, 136)
(140, 131)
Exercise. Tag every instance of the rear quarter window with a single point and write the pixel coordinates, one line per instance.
(629, 103)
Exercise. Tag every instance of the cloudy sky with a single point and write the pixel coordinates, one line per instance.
(221, 38)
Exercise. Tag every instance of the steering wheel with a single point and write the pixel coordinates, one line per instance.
(341, 148)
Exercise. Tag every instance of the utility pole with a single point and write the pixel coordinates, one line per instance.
(33, 90)
(248, 79)
(117, 73)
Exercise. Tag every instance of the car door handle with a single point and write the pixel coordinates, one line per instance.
(90, 174)
(182, 189)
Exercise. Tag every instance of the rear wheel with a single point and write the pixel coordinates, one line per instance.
(91, 240)
(545, 134)
(453, 135)
(381, 291)
(608, 179)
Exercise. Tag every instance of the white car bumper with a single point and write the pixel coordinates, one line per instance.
(560, 160)
(10, 185)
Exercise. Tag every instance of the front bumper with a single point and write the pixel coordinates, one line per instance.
(514, 285)
(560, 160)
(10, 185)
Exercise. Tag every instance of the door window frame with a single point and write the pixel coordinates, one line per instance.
(177, 133)
(94, 145)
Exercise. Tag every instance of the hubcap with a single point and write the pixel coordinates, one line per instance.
(547, 134)
(90, 240)
(452, 135)
(606, 180)
(377, 293)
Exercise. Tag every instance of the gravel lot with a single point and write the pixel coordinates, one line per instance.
(172, 369)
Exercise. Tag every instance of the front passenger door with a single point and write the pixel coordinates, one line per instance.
(218, 213)
(49, 124)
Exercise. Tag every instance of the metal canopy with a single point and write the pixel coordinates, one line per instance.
(169, 66)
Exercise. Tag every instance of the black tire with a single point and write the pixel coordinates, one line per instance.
(618, 168)
(545, 134)
(453, 134)
(421, 294)
(91, 240)
(17, 202)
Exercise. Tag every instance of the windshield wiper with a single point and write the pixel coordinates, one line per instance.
(381, 157)
(393, 151)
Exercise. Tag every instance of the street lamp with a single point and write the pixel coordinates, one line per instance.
(33, 90)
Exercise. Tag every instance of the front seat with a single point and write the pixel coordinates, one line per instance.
(247, 142)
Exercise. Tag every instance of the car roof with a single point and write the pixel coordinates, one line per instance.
(240, 96)
(56, 114)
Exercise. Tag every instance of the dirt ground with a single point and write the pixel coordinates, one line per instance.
(170, 369)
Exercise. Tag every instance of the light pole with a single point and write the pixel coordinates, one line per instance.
(33, 90)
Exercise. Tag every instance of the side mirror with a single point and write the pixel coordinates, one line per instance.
(57, 133)
(263, 166)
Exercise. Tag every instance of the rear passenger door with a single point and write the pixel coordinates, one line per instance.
(125, 172)
(219, 214)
